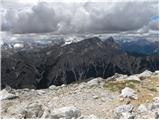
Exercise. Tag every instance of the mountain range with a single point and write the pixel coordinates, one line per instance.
(63, 64)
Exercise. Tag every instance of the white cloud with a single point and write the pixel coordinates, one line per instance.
(81, 17)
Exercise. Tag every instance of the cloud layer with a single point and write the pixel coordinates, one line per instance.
(62, 18)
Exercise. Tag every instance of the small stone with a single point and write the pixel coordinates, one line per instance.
(103, 99)
(121, 99)
(128, 102)
(142, 108)
(63, 85)
(156, 115)
(95, 97)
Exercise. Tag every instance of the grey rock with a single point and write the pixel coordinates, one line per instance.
(40, 92)
(128, 93)
(156, 115)
(34, 110)
(133, 77)
(127, 115)
(142, 108)
(123, 108)
(94, 81)
(53, 87)
(4, 95)
(65, 113)
(144, 74)
(88, 117)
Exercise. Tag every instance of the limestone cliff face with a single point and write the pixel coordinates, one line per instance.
(65, 64)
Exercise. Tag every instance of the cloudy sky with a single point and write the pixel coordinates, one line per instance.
(37, 16)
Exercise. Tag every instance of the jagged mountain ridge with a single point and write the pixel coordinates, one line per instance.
(140, 46)
(65, 64)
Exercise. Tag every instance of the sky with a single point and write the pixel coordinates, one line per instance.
(45, 16)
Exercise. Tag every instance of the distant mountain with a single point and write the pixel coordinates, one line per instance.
(140, 47)
(64, 64)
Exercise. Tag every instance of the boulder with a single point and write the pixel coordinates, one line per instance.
(65, 113)
(117, 76)
(53, 87)
(156, 72)
(18, 111)
(128, 93)
(133, 77)
(144, 74)
(34, 110)
(123, 108)
(155, 105)
(124, 111)
(46, 113)
(4, 95)
(127, 115)
(94, 81)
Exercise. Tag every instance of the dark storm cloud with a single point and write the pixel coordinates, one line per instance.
(81, 17)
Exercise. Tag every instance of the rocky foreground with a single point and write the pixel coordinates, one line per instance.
(119, 96)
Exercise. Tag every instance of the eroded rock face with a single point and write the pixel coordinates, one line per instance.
(66, 64)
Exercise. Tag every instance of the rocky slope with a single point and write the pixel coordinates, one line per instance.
(58, 64)
(119, 96)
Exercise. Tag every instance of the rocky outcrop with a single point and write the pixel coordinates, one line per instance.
(66, 64)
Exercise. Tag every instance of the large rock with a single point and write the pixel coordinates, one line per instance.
(128, 93)
(123, 108)
(34, 110)
(18, 111)
(53, 87)
(133, 77)
(65, 113)
(4, 95)
(145, 74)
(94, 81)
(127, 115)
(154, 106)
(123, 111)
(156, 72)
(117, 77)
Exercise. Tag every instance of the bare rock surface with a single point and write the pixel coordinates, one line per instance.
(97, 98)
